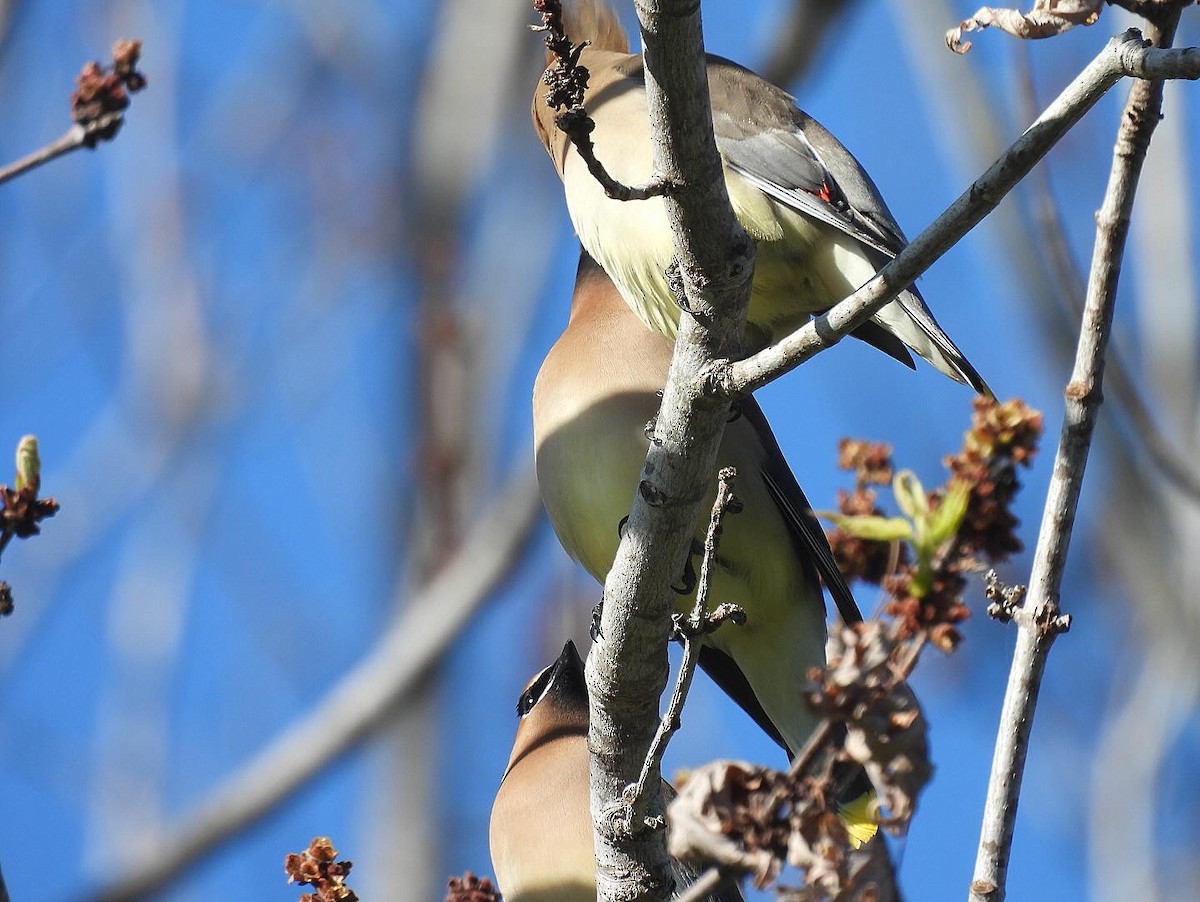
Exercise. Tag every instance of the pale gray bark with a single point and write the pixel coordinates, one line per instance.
(627, 668)
(1039, 621)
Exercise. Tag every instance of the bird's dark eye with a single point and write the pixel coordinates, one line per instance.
(525, 703)
(533, 694)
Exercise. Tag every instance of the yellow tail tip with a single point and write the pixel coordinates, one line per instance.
(857, 815)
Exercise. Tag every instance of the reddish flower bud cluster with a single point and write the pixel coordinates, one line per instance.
(101, 91)
(318, 867)
(469, 888)
(1001, 437)
(936, 611)
(929, 601)
(22, 510)
(870, 461)
(856, 557)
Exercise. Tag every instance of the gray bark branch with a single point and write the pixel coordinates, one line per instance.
(77, 136)
(1039, 620)
(627, 668)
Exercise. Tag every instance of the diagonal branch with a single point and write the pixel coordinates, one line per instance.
(1125, 55)
(77, 136)
(1038, 618)
(355, 706)
(1072, 287)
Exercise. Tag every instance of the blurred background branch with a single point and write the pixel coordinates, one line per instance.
(361, 701)
(237, 324)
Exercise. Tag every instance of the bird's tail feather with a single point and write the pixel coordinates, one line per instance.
(909, 319)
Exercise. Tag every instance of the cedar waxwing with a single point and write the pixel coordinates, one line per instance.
(821, 226)
(597, 389)
(541, 827)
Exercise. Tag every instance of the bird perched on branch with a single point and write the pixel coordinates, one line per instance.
(541, 826)
(598, 388)
(821, 226)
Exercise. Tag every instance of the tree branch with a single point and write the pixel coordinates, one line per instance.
(1038, 619)
(691, 630)
(1125, 55)
(348, 713)
(77, 136)
(627, 667)
(1171, 462)
(98, 107)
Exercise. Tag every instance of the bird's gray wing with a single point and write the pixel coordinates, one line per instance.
(730, 679)
(797, 512)
(790, 157)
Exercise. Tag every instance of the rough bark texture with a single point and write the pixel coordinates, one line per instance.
(627, 668)
(1039, 621)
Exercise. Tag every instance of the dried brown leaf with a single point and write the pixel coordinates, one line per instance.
(1046, 19)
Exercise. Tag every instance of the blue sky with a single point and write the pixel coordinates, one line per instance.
(210, 325)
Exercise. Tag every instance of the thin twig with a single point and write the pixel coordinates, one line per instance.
(708, 883)
(1125, 55)
(74, 138)
(567, 81)
(1072, 287)
(1038, 619)
(97, 105)
(692, 631)
(357, 704)
(77, 136)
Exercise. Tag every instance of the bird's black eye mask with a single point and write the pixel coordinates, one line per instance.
(564, 680)
(534, 693)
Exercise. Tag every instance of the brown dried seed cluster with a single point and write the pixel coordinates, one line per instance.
(864, 686)
(757, 819)
(101, 90)
(856, 557)
(1001, 437)
(868, 560)
(936, 611)
(567, 80)
(871, 462)
(469, 888)
(318, 867)
(929, 600)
